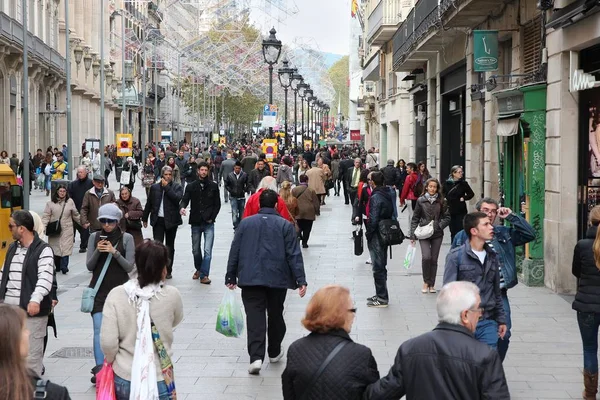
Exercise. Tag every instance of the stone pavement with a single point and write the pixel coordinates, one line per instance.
(544, 360)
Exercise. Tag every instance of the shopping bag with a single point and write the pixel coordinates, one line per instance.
(19, 180)
(230, 319)
(125, 178)
(409, 258)
(358, 241)
(105, 383)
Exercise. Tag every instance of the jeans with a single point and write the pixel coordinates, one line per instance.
(588, 327)
(237, 210)
(203, 256)
(226, 195)
(160, 233)
(487, 332)
(48, 181)
(503, 343)
(123, 389)
(430, 250)
(98, 354)
(395, 200)
(258, 300)
(61, 263)
(378, 254)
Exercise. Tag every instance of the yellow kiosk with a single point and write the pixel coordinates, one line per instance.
(11, 198)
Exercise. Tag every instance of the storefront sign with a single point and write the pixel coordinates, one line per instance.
(354, 134)
(578, 79)
(485, 51)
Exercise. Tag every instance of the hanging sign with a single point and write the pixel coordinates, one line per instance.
(269, 116)
(485, 51)
(124, 144)
(269, 148)
(354, 134)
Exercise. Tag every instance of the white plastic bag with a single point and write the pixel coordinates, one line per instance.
(230, 319)
(409, 258)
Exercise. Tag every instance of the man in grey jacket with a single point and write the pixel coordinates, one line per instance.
(226, 169)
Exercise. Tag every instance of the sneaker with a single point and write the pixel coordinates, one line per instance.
(254, 368)
(368, 261)
(275, 360)
(65, 271)
(377, 303)
(83, 250)
(196, 275)
(169, 276)
(432, 289)
(372, 298)
(205, 280)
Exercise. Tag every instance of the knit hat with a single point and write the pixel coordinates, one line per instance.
(110, 212)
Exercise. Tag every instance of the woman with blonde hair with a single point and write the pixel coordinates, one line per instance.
(586, 268)
(290, 201)
(351, 366)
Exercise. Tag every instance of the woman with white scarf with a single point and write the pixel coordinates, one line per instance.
(140, 373)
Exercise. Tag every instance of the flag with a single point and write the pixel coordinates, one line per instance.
(354, 10)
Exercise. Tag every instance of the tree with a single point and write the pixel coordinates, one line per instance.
(339, 73)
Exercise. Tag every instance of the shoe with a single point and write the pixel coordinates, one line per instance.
(372, 298)
(304, 246)
(368, 261)
(196, 275)
(432, 289)
(226, 201)
(254, 368)
(65, 271)
(169, 276)
(205, 280)
(425, 288)
(590, 382)
(377, 303)
(275, 360)
(94, 371)
(83, 250)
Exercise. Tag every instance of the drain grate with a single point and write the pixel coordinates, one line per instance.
(74, 352)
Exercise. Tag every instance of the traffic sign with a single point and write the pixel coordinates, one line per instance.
(269, 115)
(269, 148)
(124, 144)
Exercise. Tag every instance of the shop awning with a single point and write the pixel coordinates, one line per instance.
(508, 126)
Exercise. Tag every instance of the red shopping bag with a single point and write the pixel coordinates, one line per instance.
(105, 383)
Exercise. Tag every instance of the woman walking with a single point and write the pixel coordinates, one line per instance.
(132, 210)
(148, 177)
(431, 209)
(303, 169)
(132, 168)
(112, 250)
(58, 217)
(153, 305)
(176, 171)
(47, 171)
(86, 161)
(308, 209)
(457, 192)
(290, 201)
(586, 268)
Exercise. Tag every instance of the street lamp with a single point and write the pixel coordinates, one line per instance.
(78, 53)
(95, 68)
(308, 94)
(285, 78)
(302, 93)
(271, 51)
(297, 80)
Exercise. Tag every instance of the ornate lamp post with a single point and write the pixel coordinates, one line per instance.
(285, 78)
(297, 80)
(271, 51)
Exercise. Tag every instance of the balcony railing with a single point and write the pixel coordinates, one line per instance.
(385, 14)
(419, 22)
(160, 90)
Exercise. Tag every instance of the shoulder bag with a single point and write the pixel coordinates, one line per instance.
(319, 372)
(424, 232)
(166, 364)
(54, 228)
(89, 294)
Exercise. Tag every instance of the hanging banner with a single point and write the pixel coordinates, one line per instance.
(355, 134)
(485, 51)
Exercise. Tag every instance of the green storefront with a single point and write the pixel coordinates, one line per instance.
(521, 144)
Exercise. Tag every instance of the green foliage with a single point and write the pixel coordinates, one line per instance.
(339, 73)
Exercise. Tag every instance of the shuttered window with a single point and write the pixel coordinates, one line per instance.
(532, 45)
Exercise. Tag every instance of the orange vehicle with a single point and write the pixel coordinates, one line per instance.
(11, 198)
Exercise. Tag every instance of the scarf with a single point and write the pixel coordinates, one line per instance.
(143, 370)
(430, 198)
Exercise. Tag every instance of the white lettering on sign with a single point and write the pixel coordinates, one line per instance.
(581, 81)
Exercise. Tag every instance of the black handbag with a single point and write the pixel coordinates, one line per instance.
(54, 228)
(358, 241)
(134, 224)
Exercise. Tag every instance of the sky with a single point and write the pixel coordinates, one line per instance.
(324, 23)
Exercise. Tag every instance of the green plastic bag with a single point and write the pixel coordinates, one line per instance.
(230, 319)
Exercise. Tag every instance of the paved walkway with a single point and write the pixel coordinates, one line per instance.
(544, 360)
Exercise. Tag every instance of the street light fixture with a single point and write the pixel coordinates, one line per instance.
(302, 93)
(95, 68)
(285, 78)
(297, 80)
(271, 48)
(78, 53)
(87, 60)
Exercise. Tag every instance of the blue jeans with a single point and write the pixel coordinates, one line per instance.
(503, 343)
(202, 256)
(588, 327)
(487, 332)
(237, 210)
(378, 254)
(98, 354)
(394, 200)
(123, 388)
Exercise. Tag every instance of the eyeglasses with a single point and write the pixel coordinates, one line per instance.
(106, 221)
(480, 310)
(487, 211)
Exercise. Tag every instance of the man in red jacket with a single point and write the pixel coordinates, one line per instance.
(252, 205)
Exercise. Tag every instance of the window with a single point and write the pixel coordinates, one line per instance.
(40, 24)
(506, 56)
(532, 45)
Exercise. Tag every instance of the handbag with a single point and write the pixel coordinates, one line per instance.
(54, 228)
(319, 372)
(424, 232)
(358, 241)
(166, 365)
(133, 224)
(89, 294)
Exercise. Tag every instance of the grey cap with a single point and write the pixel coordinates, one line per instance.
(110, 211)
(98, 177)
(390, 162)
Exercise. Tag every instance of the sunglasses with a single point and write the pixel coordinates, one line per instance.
(106, 221)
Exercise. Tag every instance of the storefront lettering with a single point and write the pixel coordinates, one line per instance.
(581, 81)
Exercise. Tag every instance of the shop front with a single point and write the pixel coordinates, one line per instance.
(453, 84)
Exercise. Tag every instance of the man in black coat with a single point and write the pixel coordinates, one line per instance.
(236, 185)
(163, 209)
(256, 175)
(449, 359)
(77, 190)
(352, 179)
(265, 283)
(205, 201)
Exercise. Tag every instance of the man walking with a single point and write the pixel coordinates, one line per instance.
(503, 242)
(345, 164)
(249, 162)
(205, 206)
(449, 359)
(26, 281)
(475, 261)
(92, 200)
(236, 185)
(380, 207)
(163, 209)
(256, 175)
(77, 190)
(352, 179)
(264, 283)
(227, 168)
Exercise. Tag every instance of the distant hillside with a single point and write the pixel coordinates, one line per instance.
(331, 59)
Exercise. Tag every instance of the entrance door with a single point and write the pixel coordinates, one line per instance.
(589, 148)
(421, 133)
(453, 131)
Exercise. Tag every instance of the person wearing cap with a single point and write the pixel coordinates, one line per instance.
(92, 201)
(109, 239)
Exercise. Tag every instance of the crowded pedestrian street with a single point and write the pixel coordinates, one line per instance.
(544, 360)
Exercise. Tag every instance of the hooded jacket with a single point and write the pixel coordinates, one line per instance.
(381, 206)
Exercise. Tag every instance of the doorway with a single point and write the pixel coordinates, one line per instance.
(453, 131)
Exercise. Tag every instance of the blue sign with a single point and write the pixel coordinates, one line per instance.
(269, 115)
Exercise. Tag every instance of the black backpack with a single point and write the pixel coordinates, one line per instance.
(390, 232)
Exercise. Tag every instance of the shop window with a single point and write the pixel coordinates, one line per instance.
(532, 46)
(506, 56)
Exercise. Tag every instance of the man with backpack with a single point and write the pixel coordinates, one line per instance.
(380, 208)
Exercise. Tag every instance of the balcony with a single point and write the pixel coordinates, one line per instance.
(383, 22)
(158, 89)
(467, 13)
(371, 70)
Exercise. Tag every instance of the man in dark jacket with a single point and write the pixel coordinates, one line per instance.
(380, 207)
(391, 178)
(227, 167)
(26, 281)
(256, 175)
(93, 199)
(163, 209)
(352, 179)
(205, 206)
(476, 261)
(452, 363)
(77, 190)
(236, 184)
(160, 162)
(265, 283)
(249, 162)
(345, 165)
